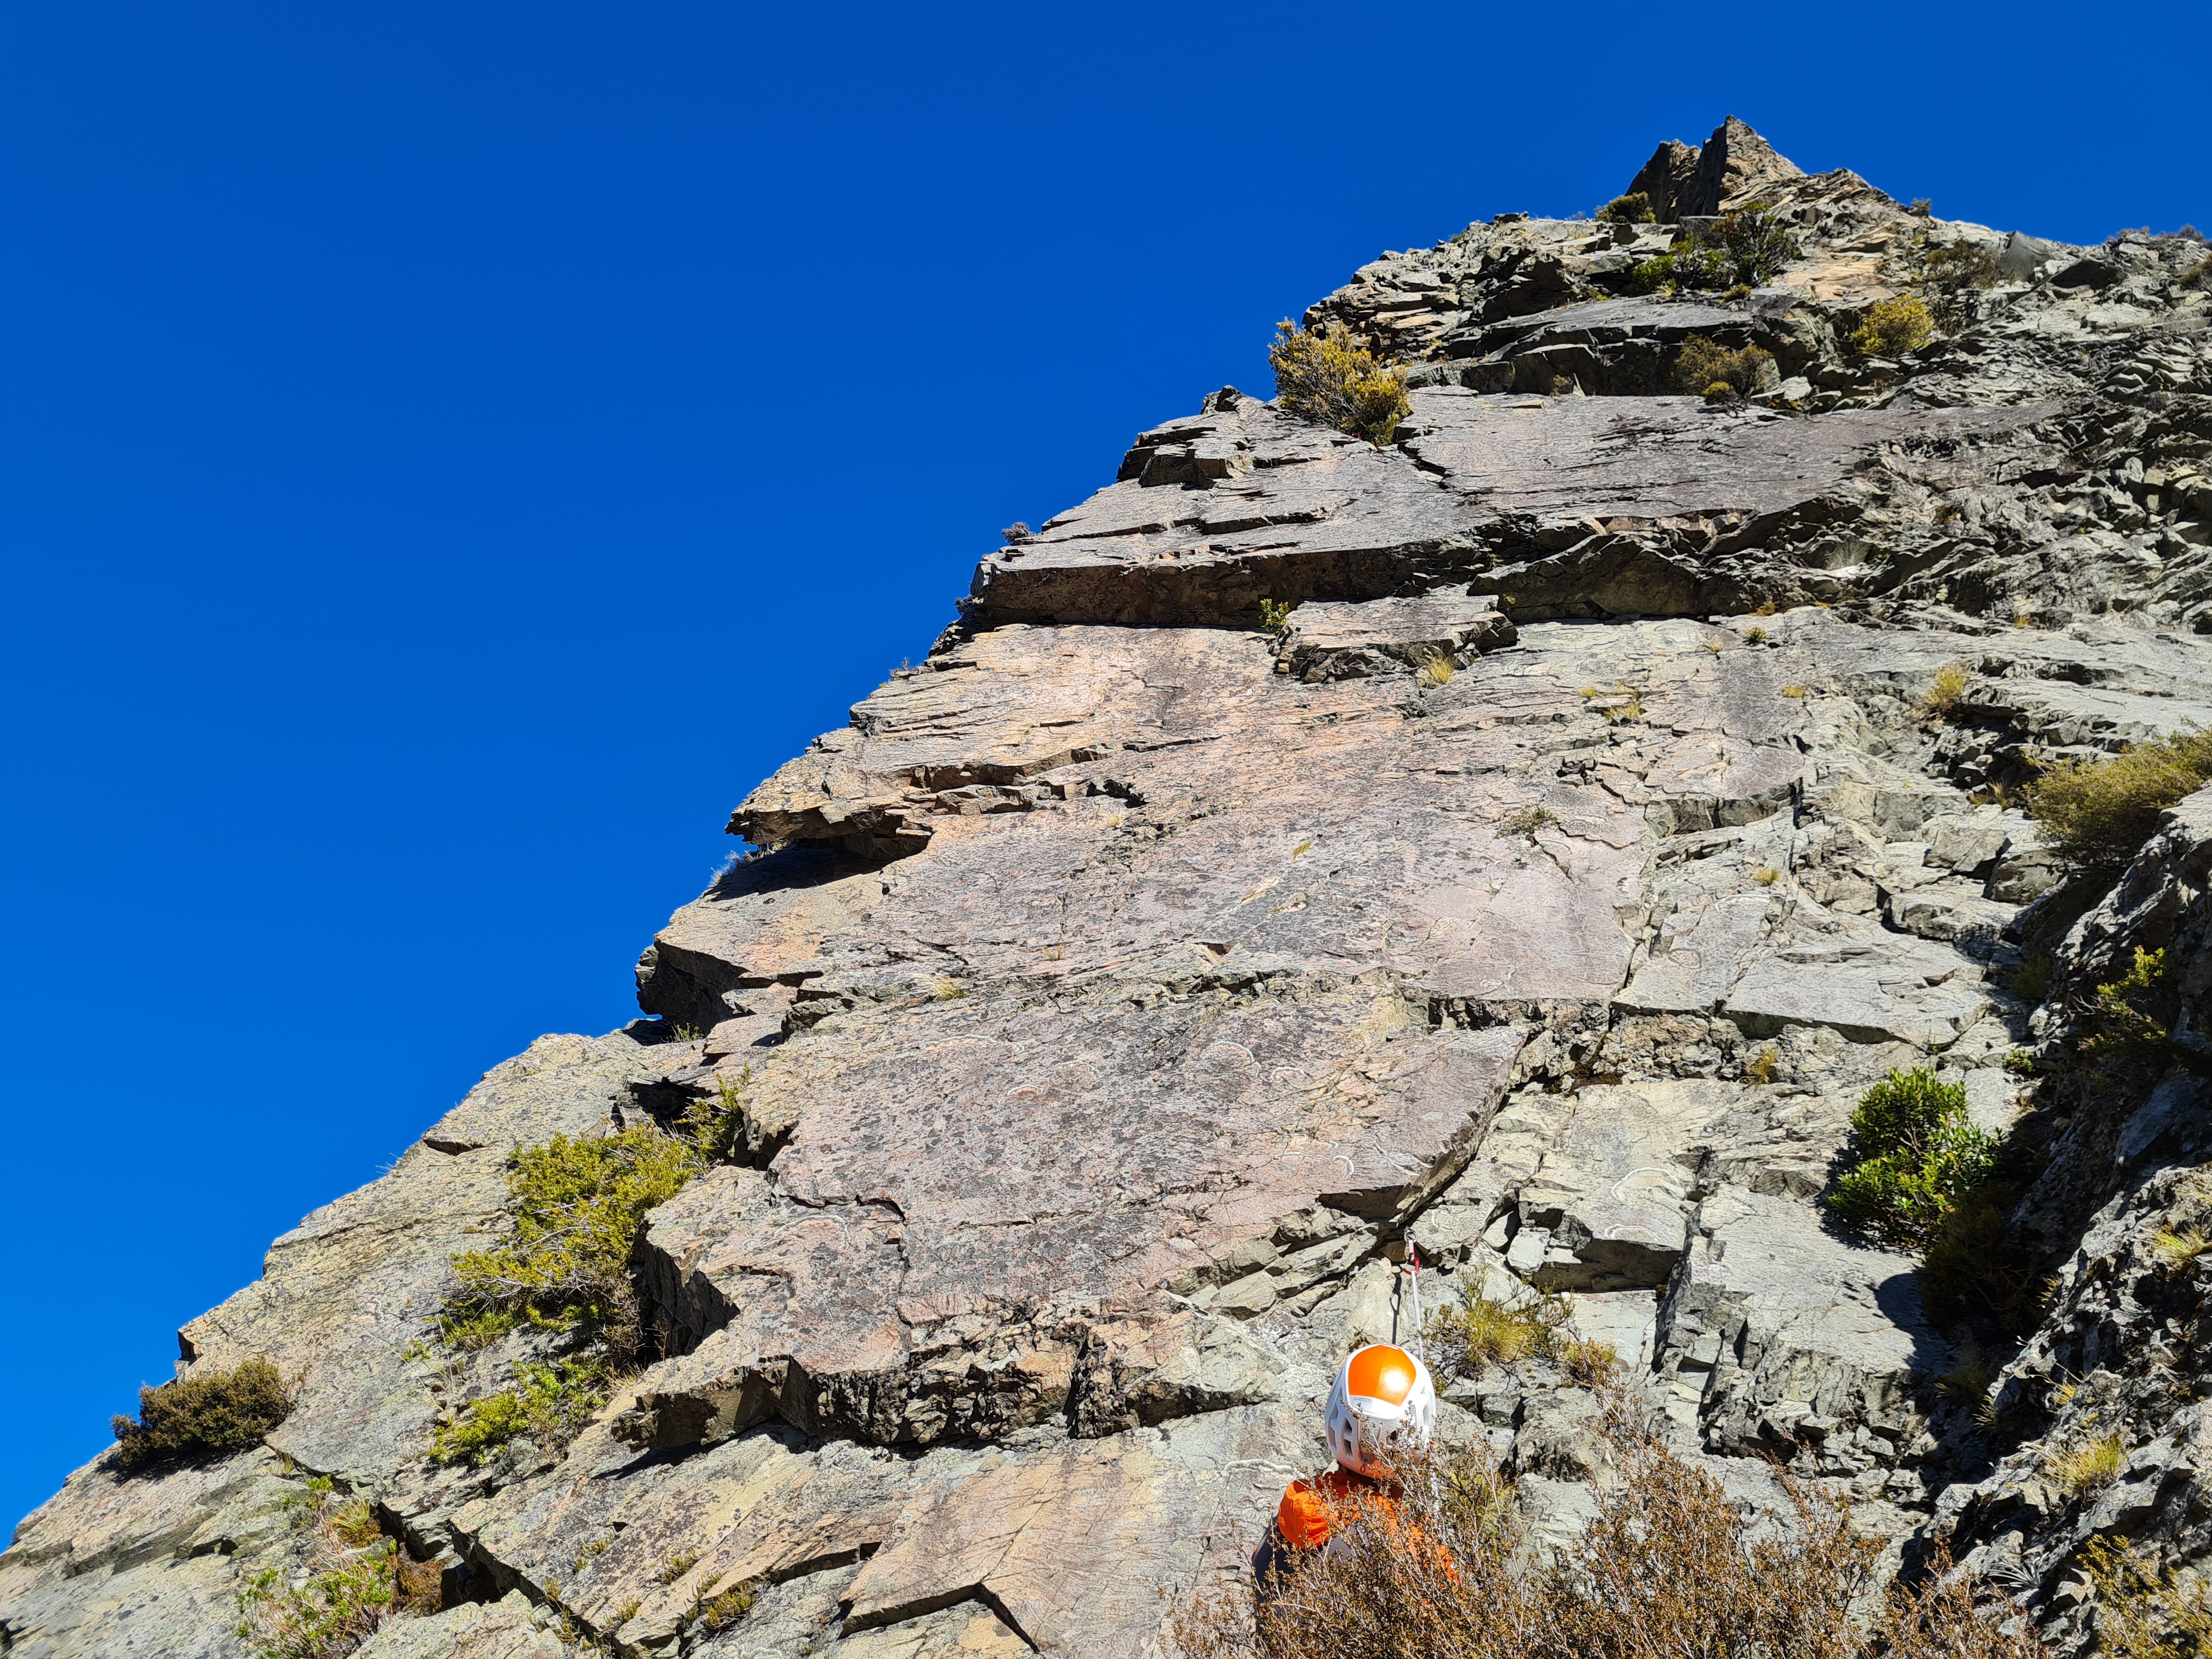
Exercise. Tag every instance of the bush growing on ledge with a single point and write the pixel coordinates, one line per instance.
(1700, 365)
(1919, 1157)
(1332, 379)
(2096, 814)
(1894, 326)
(578, 1203)
(210, 1413)
(550, 1404)
(1634, 209)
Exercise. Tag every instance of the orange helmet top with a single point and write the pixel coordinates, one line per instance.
(1381, 1373)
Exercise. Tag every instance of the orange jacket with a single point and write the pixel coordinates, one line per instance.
(1303, 1516)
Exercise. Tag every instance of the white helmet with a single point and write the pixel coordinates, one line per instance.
(1382, 1400)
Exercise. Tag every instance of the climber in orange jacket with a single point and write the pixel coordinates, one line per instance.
(1383, 1402)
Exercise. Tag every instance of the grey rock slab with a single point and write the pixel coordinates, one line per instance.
(141, 1564)
(1599, 459)
(1327, 640)
(505, 1629)
(1772, 1319)
(1612, 1187)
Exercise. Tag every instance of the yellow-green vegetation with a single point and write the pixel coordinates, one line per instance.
(1756, 636)
(1589, 1362)
(578, 1204)
(1331, 378)
(2198, 274)
(720, 1611)
(1793, 691)
(550, 1404)
(2142, 1613)
(1634, 209)
(1893, 327)
(349, 1582)
(2179, 1247)
(1713, 646)
(1945, 689)
(210, 1413)
(1630, 707)
(1274, 617)
(2096, 814)
(1525, 822)
(1487, 1330)
(2088, 1465)
(1764, 1066)
(1766, 875)
(2130, 1024)
(2030, 979)
(1437, 671)
(1701, 365)
(677, 1566)
(1919, 1156)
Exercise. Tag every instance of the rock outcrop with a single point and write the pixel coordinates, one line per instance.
(1105, 1008)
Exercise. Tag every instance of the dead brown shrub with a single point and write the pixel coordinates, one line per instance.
(1669, 1568)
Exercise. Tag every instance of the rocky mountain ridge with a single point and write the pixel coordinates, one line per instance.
(1528, 837)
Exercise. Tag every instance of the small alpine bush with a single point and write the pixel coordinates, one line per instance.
(347, 1581)
(550, 1404)
(1484, 1330)
(209, 1413)
(1918, 1158)
(1701, 365)
(1634, 209)
(2096, 814)
(1331, 378)
(1742, 250)
(1893, 327)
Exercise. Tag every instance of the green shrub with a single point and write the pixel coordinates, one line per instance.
(550, 1404)
(1274, 617)
(1893, 327)
(2096, 814)
(2198, 274)
(1972, 1269)
(1918, 1158)
(209, 1413)
(1634, 209)
(577, 1205)
(1702, 366)
(2130, 1023)
(1332, 379)
(1754, 243)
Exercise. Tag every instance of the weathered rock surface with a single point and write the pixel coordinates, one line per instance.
(1107, 1005)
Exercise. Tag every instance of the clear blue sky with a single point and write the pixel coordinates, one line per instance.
(452, 452)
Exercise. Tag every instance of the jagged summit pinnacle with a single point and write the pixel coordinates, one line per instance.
(1683, 179)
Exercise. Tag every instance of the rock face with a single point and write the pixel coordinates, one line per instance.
(1105, 1007)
